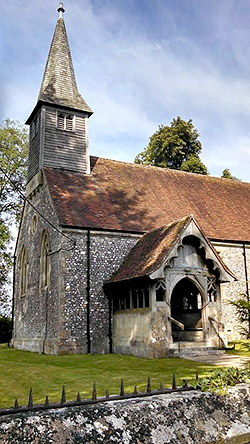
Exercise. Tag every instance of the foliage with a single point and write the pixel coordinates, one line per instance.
(240, 348)
(174, 145)
(227, 175)
(221, 379)
(5, 329)
(242, 306)
(13, 155)
(194, 165)
(46, 374)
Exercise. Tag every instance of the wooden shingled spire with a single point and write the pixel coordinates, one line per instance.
(59, 84)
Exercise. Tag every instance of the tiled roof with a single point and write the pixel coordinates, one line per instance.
(149, 252)
(137, 198)
(59, 83)
(153, 248)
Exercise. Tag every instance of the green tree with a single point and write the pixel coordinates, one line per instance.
(242, 306)
(176, 146)
(194, 165)
(227, 175)
(13, 160)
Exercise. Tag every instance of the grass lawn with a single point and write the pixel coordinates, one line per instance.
(242, 348)
(20, 370)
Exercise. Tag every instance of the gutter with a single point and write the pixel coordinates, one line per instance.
(110, 322)
(246, 272)
(13, 297)
(88, 293)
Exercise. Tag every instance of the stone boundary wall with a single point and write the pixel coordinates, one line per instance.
(191, 418)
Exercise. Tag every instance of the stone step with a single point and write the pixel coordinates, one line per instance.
(193, 349)
(188, 344)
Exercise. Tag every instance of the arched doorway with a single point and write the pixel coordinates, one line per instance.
(186, 307)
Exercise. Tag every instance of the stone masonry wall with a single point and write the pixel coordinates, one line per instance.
(184, 418)
(31, 324)
(107, 251)
(232, 255)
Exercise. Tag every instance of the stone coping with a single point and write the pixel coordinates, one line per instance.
(189, 417)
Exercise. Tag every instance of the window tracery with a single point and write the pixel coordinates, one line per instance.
(132, 298)
(212, 289)
(160, 290)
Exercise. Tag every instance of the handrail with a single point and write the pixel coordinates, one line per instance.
(218, 334)
(179, 324)
(216, 321)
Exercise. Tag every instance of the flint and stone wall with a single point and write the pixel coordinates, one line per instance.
(107, 251)
(232, 255)
(55, 321)
(33, 323)
(184, 418)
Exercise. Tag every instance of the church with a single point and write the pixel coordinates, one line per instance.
(119, 257)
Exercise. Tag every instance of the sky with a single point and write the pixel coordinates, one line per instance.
(139, 64)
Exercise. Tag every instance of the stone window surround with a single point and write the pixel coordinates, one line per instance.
(23, 272)
(45, 266)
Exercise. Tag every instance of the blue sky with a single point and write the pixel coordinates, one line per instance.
(140, 63)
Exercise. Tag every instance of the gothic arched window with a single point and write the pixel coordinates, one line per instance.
(45, 262)
(23, 271)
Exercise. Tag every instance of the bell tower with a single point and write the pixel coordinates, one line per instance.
(59, 121)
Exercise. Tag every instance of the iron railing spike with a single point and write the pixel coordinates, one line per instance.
(16, 404)
(174, 386)
(94, 392)
(30, 402)
(135, 390)
(122, 388)
(63, 398)
(46, 401)
(149, 385)
(78, 398)
(161, 386)
(107, 394)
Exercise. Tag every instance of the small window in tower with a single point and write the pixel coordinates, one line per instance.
(65, 121)
(60, 121)
(35, 127)
(69, 123)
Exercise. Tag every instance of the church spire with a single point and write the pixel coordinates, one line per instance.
(59, 122)
(59, 84)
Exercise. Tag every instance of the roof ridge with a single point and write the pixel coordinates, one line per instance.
(171, 224)
(174, 171)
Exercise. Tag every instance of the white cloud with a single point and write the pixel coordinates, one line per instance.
(140, 67)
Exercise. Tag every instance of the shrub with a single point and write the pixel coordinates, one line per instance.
(5, 329)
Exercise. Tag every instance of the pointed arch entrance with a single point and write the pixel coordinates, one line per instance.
(186, 307)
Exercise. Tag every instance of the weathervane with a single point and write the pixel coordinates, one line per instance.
(61, 10)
